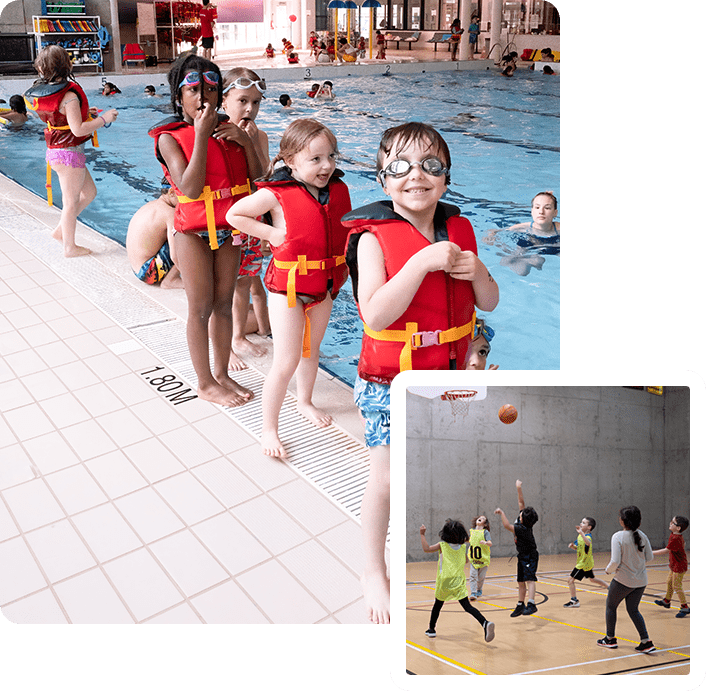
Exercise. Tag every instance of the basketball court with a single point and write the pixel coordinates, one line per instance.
(578, 451)
(555, 640)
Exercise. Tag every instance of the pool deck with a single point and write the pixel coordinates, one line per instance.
(121, 503)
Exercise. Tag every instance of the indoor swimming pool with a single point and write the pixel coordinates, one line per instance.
(503, 135)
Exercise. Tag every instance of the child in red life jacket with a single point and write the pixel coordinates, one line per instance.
(416, 279)
(306, 200)
(61, 103)
(207, 173)
(243, 91)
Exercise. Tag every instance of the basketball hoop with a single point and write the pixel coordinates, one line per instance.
(460, 400)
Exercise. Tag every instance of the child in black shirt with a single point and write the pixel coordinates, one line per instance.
(527, 555)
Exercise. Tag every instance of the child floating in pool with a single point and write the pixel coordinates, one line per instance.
(305, 199)
(243, 91)
(60, 102)
(16, 116)
(417, 280)
(207, 173)
(538, 237)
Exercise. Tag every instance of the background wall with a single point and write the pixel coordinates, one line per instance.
(578, 451)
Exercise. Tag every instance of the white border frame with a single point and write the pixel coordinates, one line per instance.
(398, 648)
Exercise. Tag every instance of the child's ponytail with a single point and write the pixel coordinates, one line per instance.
(271, 168)
(632, 518)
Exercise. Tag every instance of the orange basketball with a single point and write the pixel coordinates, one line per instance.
(507, 414)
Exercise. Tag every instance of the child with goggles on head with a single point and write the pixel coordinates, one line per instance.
(243, 91)
(207, 173)
(480, 346)
(417, 280)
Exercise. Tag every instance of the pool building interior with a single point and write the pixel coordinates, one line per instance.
(124, 499)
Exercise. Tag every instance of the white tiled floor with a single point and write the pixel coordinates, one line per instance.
(117, 506)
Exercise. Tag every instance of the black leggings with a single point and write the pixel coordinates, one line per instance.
(632, 596)
(465, 603)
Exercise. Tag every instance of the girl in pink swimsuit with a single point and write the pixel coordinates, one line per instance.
(69, 125)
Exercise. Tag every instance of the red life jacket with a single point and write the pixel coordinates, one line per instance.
(45, 99)
(226, 180)
(311, 260)
(436, 330)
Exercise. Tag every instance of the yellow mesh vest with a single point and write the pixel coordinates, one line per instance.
(480, 554)
(584, 560)
(451, 572)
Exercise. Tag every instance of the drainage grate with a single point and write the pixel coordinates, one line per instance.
(336, 463)
(328, 457)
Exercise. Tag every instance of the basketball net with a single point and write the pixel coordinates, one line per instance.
(460, 401)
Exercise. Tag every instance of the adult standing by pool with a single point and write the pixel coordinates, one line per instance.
(630, 550)
(208, 16)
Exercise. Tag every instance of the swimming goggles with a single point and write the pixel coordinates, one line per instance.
(193, 78)
(401, 167)
(487, 332)
(245, 83)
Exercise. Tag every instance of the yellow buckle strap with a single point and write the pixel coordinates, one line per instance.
(94, 136)
(207, 196)
(50, 199)
(414, 339)
(304, 266)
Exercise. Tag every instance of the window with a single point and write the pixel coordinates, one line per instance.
(414, 15)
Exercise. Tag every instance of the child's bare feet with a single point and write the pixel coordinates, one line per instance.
(76, 251)
(312, 413)
(245, 347)
(271, 445)
(376, 593)
(57, 234)
(235, 363)
(215, 393)
(233, 386)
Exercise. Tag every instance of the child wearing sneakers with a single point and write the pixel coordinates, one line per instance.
(479, 554)
(678, 565)
(584, 559)
(630, 550)
(451, 575)
(527, 554)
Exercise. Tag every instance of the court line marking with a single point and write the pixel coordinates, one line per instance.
(607, 659)
(453, 663)
(444, 659)
(651, 671)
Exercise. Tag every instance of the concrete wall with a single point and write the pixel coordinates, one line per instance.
(578, 451)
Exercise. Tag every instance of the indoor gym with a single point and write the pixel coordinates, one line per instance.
(579, 451)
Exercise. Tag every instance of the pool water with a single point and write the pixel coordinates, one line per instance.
(503, 135)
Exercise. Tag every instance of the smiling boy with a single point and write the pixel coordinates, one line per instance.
(417, 280)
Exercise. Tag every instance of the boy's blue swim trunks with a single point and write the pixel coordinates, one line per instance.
(373, 401)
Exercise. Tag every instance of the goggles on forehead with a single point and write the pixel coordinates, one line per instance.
(245, 83)
(485, 331)
(401, 167)
(193, 78)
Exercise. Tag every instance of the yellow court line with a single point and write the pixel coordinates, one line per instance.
(627, 640)
(444, 658)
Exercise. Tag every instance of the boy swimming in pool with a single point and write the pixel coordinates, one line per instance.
(412, 260)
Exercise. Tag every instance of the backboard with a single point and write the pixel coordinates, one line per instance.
(436, 391)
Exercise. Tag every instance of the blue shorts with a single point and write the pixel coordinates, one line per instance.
(154, 270)
(222, 236)
(373, 401)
